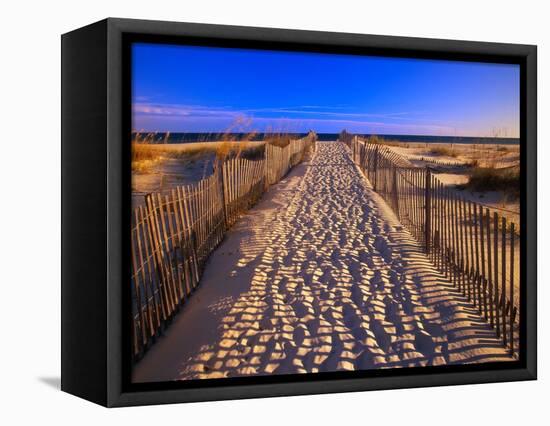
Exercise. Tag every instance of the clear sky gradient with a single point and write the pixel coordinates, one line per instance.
(205, 89)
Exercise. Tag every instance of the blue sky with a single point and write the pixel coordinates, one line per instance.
(206, 89)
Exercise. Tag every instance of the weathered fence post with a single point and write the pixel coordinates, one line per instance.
(221, 184)
(395, 191)
(375, 169)
(266, 165)
(428, 207)
(364, 160)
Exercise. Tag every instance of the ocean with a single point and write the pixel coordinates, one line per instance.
(208, 137)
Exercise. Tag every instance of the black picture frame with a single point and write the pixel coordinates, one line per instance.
(96, 202)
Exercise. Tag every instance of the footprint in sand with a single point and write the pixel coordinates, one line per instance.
(351, 319)
(375, 229)
(359, 334)
(299, 334)
(365, 360)
(406, 302)
(424, 343)
(270, 348)
(364, 256)
(445, 310)
(283, 286)
(433, 328)
(300, 309)
(325, 295)
(383, 339)
(288, 365)
(381, 244)
(331, 362)
(376, 282)
(391, 309)
(266, 324)
(313, 326)
(357, 296)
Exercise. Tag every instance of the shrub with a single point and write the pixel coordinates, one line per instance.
(443, 150)
(141, 152)
(491, 179)
(375, 139)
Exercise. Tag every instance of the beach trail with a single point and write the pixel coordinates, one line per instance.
(319, 276)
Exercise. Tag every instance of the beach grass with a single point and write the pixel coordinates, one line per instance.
(443, 151)
(493, 179)
(279, 139)
(148, 151)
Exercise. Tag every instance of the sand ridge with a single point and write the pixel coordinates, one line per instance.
(319, 276)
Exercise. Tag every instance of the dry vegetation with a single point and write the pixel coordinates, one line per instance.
(444, 151)
(495, 155)
(488, 167)
(279, 139)
(144, 157)
(149, 149)
(396, 143)
(376, 139)
(493, 179)
(345, 136)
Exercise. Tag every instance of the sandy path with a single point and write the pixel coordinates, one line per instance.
(319, 276)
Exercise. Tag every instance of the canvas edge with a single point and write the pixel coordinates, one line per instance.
(83, 213)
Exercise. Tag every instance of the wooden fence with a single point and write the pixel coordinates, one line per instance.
(174, 233)
(442, 162)
(280, 160)
(475, 247)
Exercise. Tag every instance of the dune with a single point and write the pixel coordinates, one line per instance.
(454, 170)
(180, 164)
(202, 146)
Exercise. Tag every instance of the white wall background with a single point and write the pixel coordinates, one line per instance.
(30, 210)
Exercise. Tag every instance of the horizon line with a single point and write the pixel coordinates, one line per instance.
(326, 133)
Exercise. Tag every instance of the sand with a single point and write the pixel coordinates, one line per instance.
(319, 276)
(179, 164)
(486, 155)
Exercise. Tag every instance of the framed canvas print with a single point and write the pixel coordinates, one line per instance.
(252, 212)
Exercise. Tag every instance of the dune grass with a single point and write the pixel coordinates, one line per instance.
(279, 139)
(144, 157)
(148, 149)
(396, 143)
(444, 151)
(374, 139)
(483, 179)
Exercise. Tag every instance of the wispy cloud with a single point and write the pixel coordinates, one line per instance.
(367, 126)
(197, 118)
(143, 108)
(297, 111)
(151, 109)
